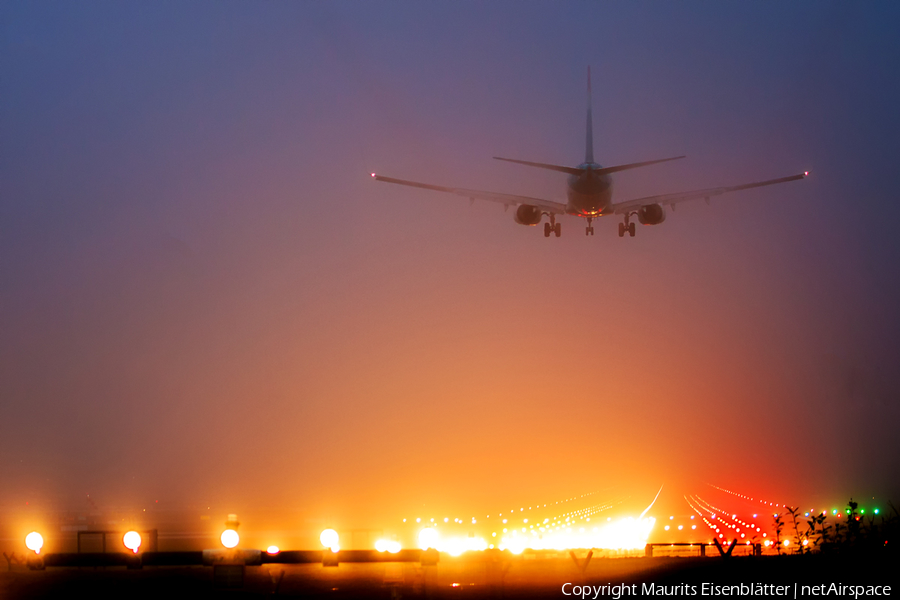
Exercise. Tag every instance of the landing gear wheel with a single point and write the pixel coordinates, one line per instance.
(621, 229)
(631, 229)
(588, 231)
(558, 229)
(546, 229)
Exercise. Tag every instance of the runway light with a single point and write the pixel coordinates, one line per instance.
(230, 538)
(876, 511)
(787, 543)
(329, 538)
(34, 542)
(132, 541)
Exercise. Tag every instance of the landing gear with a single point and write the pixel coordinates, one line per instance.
(553, 227)
(626, 226)
(589, 230)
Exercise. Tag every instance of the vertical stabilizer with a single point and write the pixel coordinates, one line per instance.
(589, 140)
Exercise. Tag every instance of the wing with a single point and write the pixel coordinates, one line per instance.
(507, 199)
(671, 199)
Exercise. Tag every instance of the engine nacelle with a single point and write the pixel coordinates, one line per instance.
(651, 214)
(528, 215)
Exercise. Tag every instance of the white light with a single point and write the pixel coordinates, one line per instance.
(34, 542)
(272, 550)
(428, 538)
(132, 541)
(329, 539)
(230, 538)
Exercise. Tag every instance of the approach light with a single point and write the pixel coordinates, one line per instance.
(787, 543)
(876, 511)
(34, 542)
(330, 539)
(230, 538)
(132, 541)
(272, 550)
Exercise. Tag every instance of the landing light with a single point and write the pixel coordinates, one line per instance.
(272, 550)
(34, 542)
(132, 541)
(330, 539)
(230, 538)
(428, 538)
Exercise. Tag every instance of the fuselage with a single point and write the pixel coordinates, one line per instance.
(588, 194)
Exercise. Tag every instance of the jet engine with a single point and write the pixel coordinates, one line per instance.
(528, 215)
(651, 214)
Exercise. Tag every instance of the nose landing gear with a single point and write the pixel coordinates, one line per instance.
(589, 230)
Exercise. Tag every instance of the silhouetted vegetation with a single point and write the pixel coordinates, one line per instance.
(854, 534)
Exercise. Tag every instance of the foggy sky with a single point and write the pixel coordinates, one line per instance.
(205, 298)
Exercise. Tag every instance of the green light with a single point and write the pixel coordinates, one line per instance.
(876, 511)
(862, 511)
(834, 512)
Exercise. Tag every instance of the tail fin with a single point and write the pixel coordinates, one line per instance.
(589, 140)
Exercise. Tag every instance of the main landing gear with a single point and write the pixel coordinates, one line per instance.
(552, 226)
(589, 230)
(626, 226)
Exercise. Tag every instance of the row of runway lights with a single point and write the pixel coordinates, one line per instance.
(34, 541)
(834, 512)
(744, 496)
(329, 538)
(512, 511)
(713, 511)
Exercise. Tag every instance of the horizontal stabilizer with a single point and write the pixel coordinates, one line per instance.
(616, 169)
(577, 171)
(561, 169)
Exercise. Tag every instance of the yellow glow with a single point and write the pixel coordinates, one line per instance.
(34, 542)
(230, 538)
(330, 539)
(132, 541)
(624, 534)
(391, 546)
(428, 538)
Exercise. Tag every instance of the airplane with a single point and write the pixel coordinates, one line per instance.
(589, 192)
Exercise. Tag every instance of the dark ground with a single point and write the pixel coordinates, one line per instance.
(525, 577)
